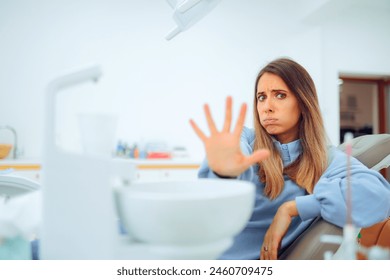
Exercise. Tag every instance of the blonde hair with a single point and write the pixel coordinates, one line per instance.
(306, 170)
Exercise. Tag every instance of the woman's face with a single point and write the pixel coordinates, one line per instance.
(278, 108)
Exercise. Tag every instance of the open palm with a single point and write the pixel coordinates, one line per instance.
(223, 150)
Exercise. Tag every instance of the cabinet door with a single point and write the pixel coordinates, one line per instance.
(148, 175)
(29, 174)
(166, 174)
(179, 174)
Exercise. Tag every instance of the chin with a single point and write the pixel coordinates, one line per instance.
(273, 132)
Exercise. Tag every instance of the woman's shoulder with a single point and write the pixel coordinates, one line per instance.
(335, 155)
(337, 160)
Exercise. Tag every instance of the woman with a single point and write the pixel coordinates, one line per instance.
(297, 177)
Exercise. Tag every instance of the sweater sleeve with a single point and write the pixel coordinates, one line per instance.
(247, 137)
(370, 195)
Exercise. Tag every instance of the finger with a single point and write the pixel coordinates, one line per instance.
(275, 249)
(228, 115)
(197, 130)
(273, 255)
(263, 253)
(273, 252)
(257, 156)
(240, 120)
(209, 118)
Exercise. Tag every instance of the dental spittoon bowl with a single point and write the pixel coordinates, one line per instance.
(187, 212)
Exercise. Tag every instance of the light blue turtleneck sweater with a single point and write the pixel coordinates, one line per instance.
(370, 198)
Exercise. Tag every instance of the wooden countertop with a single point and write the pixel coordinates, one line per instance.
(20, 164)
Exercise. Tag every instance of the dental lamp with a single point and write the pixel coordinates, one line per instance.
(188, 12)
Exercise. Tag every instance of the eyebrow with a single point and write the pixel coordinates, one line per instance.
(273, 91)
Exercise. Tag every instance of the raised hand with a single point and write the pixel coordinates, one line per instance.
(223, 150)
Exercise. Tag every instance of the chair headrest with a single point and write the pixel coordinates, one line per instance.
(370, 149)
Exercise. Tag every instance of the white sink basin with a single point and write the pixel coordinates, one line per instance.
(185, 213)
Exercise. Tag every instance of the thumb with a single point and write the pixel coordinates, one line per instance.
(258, 156)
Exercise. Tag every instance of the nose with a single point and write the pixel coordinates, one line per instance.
(268, 106)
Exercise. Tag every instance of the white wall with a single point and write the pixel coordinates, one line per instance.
(355, 41)
(155, 86)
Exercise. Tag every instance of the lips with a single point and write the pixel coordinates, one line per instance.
(270, 121)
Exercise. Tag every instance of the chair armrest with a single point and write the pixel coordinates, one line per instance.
(308, 245)
(384, 163)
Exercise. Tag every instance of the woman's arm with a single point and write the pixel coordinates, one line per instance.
(370, 195)
(277, 230)
(370, 202)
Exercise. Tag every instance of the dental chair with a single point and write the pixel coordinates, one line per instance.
(374, 152)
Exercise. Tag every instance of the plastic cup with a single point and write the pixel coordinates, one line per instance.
(97, 133)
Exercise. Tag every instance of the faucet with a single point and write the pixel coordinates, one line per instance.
(92, 73)
(15, 146)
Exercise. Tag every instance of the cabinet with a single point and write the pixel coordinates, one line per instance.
(154, 171)
(34, 175)
(165, 174)
(28, 169)
(147, 170)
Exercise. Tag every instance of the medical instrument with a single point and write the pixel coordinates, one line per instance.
(348, 242)
(349, 231)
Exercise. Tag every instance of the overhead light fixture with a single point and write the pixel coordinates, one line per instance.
(188, 12)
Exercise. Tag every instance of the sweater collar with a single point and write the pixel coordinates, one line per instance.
(289, 151)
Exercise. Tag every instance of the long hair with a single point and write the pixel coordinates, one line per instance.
(306, 170)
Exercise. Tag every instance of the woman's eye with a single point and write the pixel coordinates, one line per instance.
(261, 97)
(281, 95)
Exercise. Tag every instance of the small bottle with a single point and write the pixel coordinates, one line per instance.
(135, 151)
(119, 149)
(142, 149)
(127, 150)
